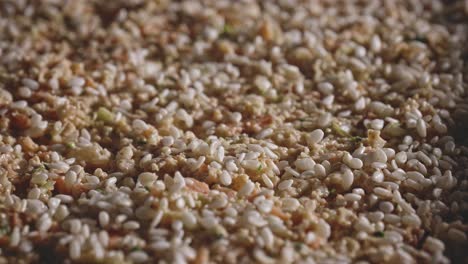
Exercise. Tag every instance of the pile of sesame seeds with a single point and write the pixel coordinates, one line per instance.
(233, 131)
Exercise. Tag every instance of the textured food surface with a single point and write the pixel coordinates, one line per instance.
(214, 131)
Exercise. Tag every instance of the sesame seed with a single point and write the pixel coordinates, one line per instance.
(421, 128)
(285, 185)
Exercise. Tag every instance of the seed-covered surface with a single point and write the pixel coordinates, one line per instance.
(233, 131)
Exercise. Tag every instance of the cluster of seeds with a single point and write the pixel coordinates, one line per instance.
(217, 131)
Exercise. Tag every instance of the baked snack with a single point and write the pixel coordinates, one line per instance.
(233, 131)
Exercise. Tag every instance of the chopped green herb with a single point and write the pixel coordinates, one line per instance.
(218, 236)
(70, 145)
(105, 115)
(420, 39)
(260, 167)
(135, 248)
(141, 141)
(228, 29)
(297, 246)
(379, 234)
(4, 229)
(219, 232)
(48, 185)
(38, 168)
(339, 131)
(356, 139)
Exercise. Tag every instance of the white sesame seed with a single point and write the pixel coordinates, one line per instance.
(262, 83)
(15, 237)
(292, 172)
(411, 220)
(247, 189)
(75, 249)
(355, 163)
(76, 82)
(320, 170)
(386, 207)
(40, 178)
(44, 223)
(375, 44)
(178, 184)
(30, 83)
(421, 128)
(401, 157)
(456, 235)
(268, 183)
(138, 257)
(268, 237)
(265, 206)
(147, 178)
(167, 141)
(131, 225)
(352, 197)
(285, 185)
(251, 164)
(304, 164)
(433, 244)
(347, 179)
(104, 218)
(325, 88)
(381, 192)
(225, 179)
(323, 229)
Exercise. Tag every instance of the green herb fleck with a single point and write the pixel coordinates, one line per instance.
(48, 185)
(4, 229)
(356, 139)
(227, 29)
(420, 39)
(298, 246)
(379, 234)
(141, 141)
(105, 115)
(70, 145)
(218, 236)
(219, 232)
(135, 248)
(339, 131)
(38, 168)
(260, 168)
